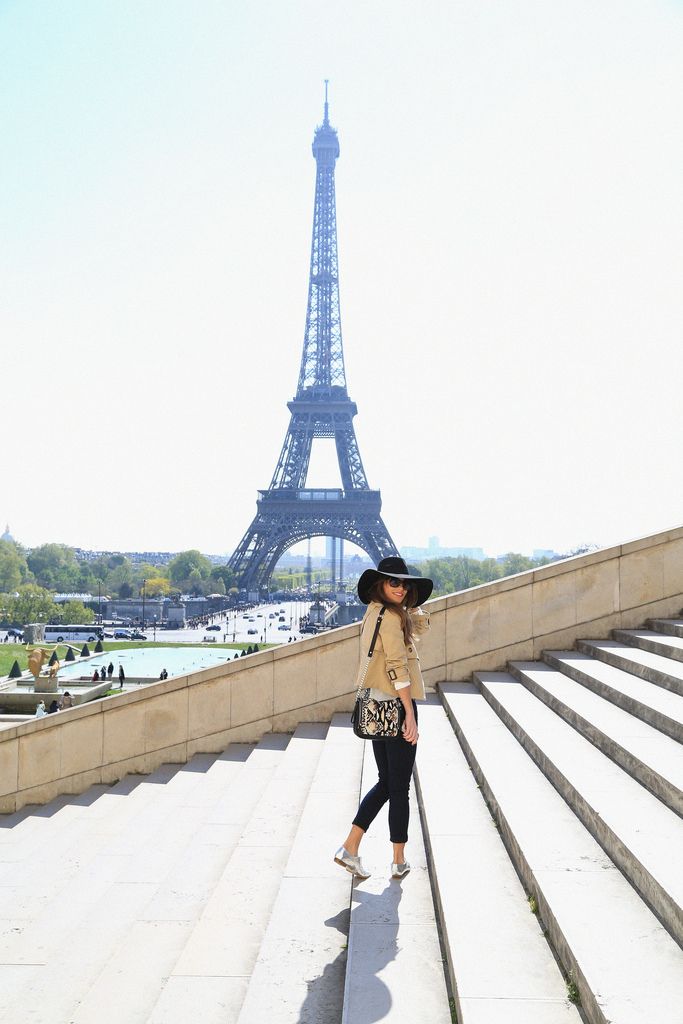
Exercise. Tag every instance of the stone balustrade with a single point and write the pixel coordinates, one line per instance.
(481, 628)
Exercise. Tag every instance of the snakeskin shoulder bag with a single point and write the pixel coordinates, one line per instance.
(376, 719)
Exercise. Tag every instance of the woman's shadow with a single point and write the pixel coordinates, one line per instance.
(373, 944)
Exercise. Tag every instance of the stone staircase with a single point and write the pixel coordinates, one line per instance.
(207, 891)
(580, 762)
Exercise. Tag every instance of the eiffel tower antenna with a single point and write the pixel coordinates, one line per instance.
(288, 511)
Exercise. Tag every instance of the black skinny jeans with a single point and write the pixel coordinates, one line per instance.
(395, 760)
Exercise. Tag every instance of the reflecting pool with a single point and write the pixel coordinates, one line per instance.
(148, 662)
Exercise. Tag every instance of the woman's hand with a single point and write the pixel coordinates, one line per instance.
(410, 728)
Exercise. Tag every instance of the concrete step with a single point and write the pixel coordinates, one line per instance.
(75, 829)
(220, 807)
(660, 708)
(213, 970)
(129, 873)
(647, 640)
(602, 932)
(482, 904)
(655, 668)
(640, 835)
(672, 627)
(299, 973)
(79, 829)
(395, 970)
(655, 760)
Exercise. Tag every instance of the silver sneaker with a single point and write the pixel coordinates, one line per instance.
(351, 863)
(400, 870)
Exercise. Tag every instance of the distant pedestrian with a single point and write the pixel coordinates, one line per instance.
(54, 707)
(122, 677)
(40, 709)
(67, 700)
(95, 677)
(110, 669)
(103, 674)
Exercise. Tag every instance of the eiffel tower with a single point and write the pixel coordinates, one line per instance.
(288, 511)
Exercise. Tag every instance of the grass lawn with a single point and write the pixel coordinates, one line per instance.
(8, 652)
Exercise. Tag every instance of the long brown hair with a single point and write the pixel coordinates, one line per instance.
(376, 594)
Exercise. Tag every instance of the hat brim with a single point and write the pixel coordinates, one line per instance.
(423, 585)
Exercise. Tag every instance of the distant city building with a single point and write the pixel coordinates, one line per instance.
(434, 550)
(548, 553)
(7, 535)
(149, 557)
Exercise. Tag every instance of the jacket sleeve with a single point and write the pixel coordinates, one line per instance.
(395, 655)
(419, 621)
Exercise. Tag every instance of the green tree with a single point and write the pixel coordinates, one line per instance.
(195, 583)
(121, 578)
(189, 569)
(453, 574)
(145, 571)
(75, 611)
(13, 567)
(513, 563)
(32, 604)
(225, 573)
(158, 586)
(55, 567)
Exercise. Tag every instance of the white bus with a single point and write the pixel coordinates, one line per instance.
(57, 634)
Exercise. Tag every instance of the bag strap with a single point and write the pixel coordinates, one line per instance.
(376, 633)
(371, 650)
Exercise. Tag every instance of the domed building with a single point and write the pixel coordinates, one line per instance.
(7, 535)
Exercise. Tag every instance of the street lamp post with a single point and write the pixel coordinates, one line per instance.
(144, 586)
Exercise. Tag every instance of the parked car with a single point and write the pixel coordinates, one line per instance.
(122, 634)
(215, 628)
(18, 633)
(108, 636)
(310, 628)
(284, 626)
(252, 631)
(137, 635)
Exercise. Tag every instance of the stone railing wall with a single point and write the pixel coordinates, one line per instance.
(481, 628)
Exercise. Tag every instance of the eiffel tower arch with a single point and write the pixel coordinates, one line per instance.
(288, 512)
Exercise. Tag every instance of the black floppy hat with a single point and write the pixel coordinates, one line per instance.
(393, 568)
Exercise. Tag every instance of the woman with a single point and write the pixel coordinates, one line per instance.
(394, 671)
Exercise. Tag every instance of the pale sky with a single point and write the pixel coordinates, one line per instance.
(510, 219)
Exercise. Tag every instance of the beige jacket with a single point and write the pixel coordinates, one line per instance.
(392, 661)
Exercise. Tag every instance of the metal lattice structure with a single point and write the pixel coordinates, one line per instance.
(288, 511)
